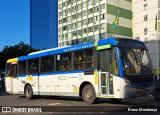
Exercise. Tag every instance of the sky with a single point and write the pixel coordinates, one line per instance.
(14, 22)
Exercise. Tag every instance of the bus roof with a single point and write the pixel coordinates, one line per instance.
(51, 49)
(59, 50)
(12, 60)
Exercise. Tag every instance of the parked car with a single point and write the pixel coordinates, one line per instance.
(156, 90)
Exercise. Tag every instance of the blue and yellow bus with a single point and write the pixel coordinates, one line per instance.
(114, 68)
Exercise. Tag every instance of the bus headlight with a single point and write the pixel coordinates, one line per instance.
(127, 82)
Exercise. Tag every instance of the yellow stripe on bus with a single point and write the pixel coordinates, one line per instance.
(8, 76)
(12, 60)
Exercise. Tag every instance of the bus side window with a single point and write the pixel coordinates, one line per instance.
(64, 63)
(8, 73)
(114, 63)
(79, 60)
(89, 58)
(22, 68)
(47, 63)
(33, 65)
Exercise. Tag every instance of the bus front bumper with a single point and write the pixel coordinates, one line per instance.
(136, 92)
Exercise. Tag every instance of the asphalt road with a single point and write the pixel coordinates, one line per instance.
(75, 104)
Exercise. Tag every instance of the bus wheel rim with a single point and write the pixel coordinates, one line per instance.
(29, 92)
(89, 94)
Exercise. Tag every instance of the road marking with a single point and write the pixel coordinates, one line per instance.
(54, 103)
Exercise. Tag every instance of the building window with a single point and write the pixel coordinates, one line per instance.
(64, 28)
(70, 26)
(90, 38)
(74, 1)
(79, 15)
(145, 6)
(78, 6)
(64, 12)
(79, 32)
(64, 4)
(90, 29)
(74, 25)
(145, 31)
(96, 18)
(85, 22)
(145, 17)
(102, 16)
(90, 20)
(85, 30)
(84, 13)
(60, 21)
(60, 29)
(96, 9)
(96, 28)
(69, 35)
(60, 6)
(79, 24)
(74, 9)
(74, 33)
(90, 11)
(95, 1)
(90, 2)
(69, 19)
(74, 16)
(96, 37)
(102, 7)
(84, 4)
(69, 2)
(102, 35)
(84, 39)
(103, 26)
(64, 20)
(60, 13)
(60, 37)
(69, 10)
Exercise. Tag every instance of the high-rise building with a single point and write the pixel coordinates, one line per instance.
(145, 14)
(44, 24)
(88, 20)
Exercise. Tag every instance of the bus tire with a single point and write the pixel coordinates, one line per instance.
(157, 95)
(28, 92)
(88, 94)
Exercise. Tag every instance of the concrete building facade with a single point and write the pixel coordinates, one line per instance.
(144, 18)
(82, 21)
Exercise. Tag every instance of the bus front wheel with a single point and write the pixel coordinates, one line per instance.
(28, 92)
(88, 94)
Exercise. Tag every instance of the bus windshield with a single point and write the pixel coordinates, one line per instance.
(136, 61)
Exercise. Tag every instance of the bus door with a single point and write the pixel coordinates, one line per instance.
(14, 77)
(105, 77)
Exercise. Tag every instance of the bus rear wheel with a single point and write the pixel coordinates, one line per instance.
(28, 92)
(88, 94)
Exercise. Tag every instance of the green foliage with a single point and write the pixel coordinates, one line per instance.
(8, 52)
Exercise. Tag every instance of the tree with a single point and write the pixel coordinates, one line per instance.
(8, 52)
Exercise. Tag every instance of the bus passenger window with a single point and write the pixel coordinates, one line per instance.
(22, 68)
(47, 63)
(89, 58)
(64, 64)
(33, 66)
(8, 73)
